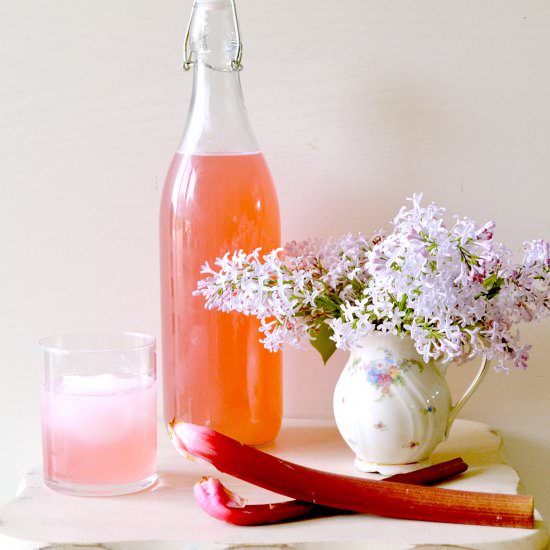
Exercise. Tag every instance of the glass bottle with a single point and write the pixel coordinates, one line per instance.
(218, 197)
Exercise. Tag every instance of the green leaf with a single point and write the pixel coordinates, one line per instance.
(327, 304)
(493, 285)
(490, 281)
(320, 340)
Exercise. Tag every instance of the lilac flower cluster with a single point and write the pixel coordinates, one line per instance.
(295, 291)
(455, 291)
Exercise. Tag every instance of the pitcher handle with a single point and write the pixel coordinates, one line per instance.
(455, 409)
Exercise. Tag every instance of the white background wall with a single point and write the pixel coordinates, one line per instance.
(357, 104)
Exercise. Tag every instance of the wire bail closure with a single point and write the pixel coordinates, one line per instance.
(235, 63)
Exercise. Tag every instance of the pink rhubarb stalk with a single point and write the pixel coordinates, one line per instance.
(219, 502)
(388, 499)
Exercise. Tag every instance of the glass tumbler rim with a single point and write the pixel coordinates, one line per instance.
(60, 343)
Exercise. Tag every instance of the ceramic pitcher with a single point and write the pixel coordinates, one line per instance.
(391, 407)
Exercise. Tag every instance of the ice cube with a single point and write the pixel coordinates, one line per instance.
(100, 384)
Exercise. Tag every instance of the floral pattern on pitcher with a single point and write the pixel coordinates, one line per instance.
(383, 373)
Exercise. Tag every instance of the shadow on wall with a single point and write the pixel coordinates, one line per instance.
(309, 384)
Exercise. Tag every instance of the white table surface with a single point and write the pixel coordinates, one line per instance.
(166, 516)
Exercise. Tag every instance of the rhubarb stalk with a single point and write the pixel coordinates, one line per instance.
(388, 499)
(219, 502)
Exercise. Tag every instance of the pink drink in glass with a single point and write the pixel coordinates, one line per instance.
(99, 430)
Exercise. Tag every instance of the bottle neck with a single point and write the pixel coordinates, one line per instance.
(218, 119)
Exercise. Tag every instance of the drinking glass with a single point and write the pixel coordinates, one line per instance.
(99, 413)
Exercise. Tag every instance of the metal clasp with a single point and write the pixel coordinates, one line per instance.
(235, 63)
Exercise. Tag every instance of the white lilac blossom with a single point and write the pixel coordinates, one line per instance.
(454, 290)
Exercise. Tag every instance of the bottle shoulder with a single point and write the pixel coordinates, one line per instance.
(227, 199)
(234, 177)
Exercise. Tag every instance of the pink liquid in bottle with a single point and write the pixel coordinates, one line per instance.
(99, 430)
(216, 372)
